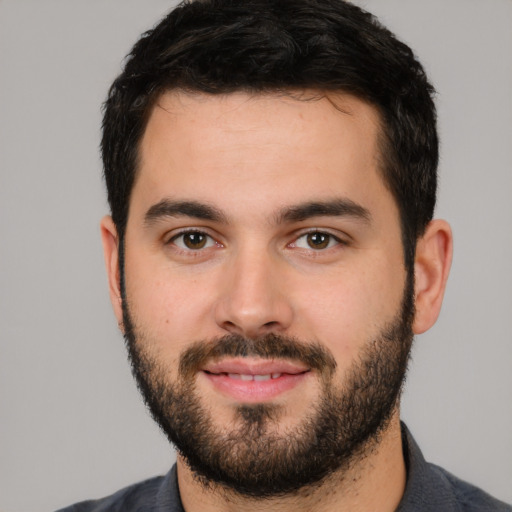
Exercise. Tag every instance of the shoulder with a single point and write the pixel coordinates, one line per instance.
(152, 495)
(127, 499)
(468, 497)
(430, 488)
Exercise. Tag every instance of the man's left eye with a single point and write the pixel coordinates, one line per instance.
(193, 240)
(317, 240)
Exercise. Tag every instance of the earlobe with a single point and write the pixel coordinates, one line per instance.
(431, 268)
(110, 240)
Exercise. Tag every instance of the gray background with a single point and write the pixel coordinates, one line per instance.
(72, 425)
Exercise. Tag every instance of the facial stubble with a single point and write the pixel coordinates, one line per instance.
(255, 458)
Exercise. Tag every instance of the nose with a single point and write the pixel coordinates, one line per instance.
(252, 299)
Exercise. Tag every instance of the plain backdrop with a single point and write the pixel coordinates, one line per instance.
(72, 425)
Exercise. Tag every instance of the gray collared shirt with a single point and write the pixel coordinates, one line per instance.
(429, 488)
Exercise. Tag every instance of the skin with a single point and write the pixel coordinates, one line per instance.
(250, 157)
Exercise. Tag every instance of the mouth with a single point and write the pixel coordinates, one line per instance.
(248, 376)
(254, 380)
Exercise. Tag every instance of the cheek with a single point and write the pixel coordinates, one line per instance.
(350, 309)
(170, 309)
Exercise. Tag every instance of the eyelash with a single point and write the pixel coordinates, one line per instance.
(209, 241)
(198, 232)
(330, 238)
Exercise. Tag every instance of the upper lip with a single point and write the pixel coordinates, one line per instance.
(247, 366)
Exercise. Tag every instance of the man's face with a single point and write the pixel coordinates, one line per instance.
(265, 286)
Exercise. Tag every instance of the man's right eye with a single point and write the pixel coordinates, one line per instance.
(193, 241)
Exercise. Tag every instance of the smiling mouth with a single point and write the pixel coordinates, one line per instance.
(248, 377)
(256, 377)
(248, 368)
(254, 380)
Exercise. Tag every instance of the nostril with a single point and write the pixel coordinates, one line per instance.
(232, 327)
(271, 325)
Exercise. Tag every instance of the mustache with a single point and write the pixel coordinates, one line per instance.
(269, 346)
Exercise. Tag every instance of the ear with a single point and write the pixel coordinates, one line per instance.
(110, 242)
(431, 268)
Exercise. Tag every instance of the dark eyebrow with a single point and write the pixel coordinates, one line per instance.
(170, 208)
(333, 208)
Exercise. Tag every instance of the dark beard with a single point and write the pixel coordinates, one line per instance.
(255, 461)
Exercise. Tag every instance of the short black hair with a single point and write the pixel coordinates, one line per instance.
(261, 46)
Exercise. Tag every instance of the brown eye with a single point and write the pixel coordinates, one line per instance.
(318, 240)
(193, 240)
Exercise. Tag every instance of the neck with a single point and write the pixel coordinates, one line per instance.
(375, 481)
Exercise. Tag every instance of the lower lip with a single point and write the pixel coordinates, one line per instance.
(253, 391)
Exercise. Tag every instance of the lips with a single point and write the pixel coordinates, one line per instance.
(254, 380)
(257, 377)
(254, 366)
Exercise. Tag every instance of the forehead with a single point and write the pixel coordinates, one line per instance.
(307, 115)
(258, 145)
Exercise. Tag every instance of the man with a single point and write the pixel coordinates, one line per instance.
(271, 172)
